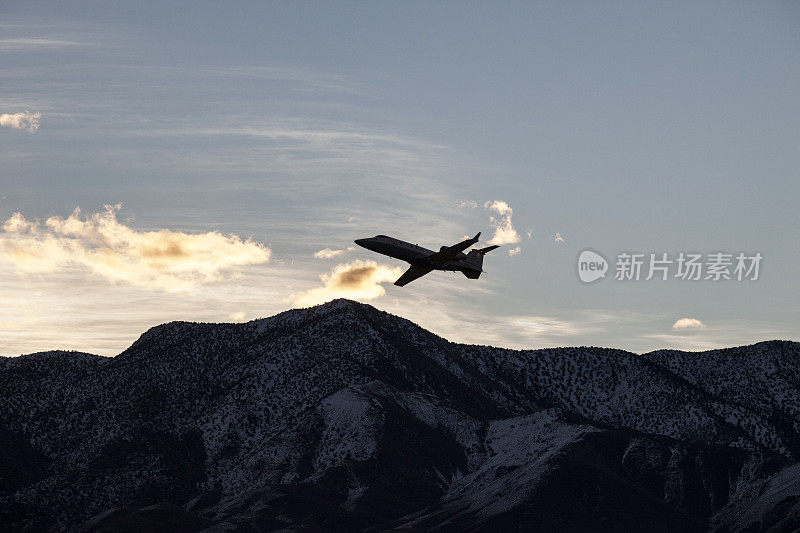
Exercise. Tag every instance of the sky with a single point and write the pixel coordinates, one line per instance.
(215, 162)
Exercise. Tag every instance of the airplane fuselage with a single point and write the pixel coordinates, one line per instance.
(410, 253)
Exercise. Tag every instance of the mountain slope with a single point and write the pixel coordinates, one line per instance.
(344, 417)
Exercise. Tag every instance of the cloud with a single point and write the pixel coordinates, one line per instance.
(688, 323)
(558, 238)
(504, 232)
(21, 121)
(529, 233)
(470, 204)
(27, 43)
(327, 253)
(546, 326)
(514, 251)
(735, 332)
(237, 316)
(500, 206)
(163, 259)
(327, 158)
(359, 280)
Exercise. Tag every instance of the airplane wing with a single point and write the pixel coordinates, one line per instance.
(451, 252)
(416, 271)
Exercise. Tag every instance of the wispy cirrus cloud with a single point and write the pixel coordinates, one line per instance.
(22, 43)
(330, 134)
(164, 259)
(322, 157)
(358, 280)
(21, 121)
(303, 78)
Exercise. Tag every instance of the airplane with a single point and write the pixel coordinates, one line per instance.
(424, 261)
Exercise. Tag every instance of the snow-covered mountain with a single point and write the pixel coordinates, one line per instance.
(342, 418)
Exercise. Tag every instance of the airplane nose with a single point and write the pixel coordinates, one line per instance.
(360, 242)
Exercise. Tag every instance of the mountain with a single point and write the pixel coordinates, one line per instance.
(341, 417)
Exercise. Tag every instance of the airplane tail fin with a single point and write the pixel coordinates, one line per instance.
(474, 261)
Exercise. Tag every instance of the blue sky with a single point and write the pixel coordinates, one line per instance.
(251, 136)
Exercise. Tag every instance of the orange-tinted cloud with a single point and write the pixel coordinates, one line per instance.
(163, 259)
(359, 280)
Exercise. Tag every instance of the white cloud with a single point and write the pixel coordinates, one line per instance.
(163, 259)
(359, 280)
(688, 323)
(328, 253)
(470, 204)
(547, 326)
(238, 316)
(514, 251)
(500, 206)
(504, 232)
(21, 121)
(558, 238)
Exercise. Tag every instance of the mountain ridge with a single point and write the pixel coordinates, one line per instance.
(316, 418)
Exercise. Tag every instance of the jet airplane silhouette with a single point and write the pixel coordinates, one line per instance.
(424, 261)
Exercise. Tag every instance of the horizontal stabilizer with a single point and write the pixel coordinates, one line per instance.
(487, 249)
(474, 262)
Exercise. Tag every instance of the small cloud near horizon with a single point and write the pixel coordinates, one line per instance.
(558, 238)
(688, 323)
(21, 121)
